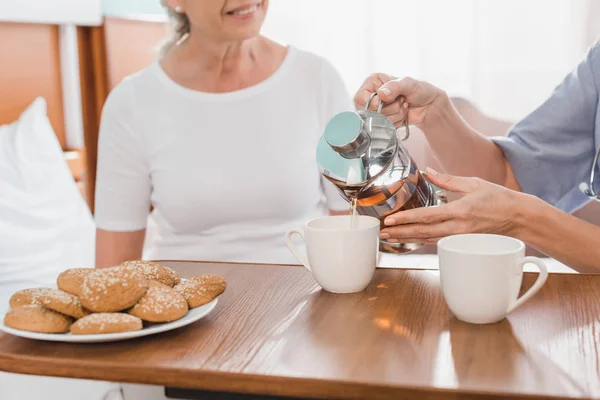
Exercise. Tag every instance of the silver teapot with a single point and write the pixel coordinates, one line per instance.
(361, 154)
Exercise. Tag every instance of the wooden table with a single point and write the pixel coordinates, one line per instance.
(274, 332)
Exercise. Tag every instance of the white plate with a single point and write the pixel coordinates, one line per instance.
(191, 317)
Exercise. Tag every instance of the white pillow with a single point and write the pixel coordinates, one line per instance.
(45, 225)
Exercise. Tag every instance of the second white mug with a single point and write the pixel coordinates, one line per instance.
(481, 276)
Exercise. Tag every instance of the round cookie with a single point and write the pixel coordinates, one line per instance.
(154, 272)
(106, 323)
(27, 297)
(64, 303)
(161, 303)
(201, 289)
(71, 280)
(35, 318)
(112, 289)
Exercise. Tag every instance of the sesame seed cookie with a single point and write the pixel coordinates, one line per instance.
(112, 289)
(201, 289)
(27, 297)
(71, 280)
(106, 323)
(161, 303)
(64, 303)
(35, 318)
(154, 272)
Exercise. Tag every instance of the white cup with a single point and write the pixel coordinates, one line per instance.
(481, 276)
(340, 257)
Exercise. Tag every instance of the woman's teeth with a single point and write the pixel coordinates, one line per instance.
(245, 11)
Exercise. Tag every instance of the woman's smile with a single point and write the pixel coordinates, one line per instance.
(245, 12)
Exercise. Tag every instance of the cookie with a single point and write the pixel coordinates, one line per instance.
(71, 280)
(106, 323)
(201, 289)
(161, 303)
(112, 289)
(154, 272)
(27, 297)
(35, 318)
(64, 303)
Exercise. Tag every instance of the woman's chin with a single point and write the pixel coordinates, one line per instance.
(242, 29)
(242, 34)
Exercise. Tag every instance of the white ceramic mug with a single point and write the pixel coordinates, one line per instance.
(340, 257)
(481, 276)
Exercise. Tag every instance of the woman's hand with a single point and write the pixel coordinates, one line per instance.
(485, 208)
(401, 96)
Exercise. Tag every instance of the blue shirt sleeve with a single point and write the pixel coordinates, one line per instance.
(552, 149)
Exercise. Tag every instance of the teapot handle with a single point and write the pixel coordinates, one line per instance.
(371, 96)
(380, 107)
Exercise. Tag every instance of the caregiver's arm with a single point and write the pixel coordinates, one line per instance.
(465, 152)
(570, 240)
(490, 208)
(460, 149)
(548, 153)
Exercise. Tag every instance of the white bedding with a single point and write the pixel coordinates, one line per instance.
(45, 224)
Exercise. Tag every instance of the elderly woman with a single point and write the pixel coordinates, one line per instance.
(218, 137)
(548, 154)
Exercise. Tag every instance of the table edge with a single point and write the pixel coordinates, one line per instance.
(247, 383)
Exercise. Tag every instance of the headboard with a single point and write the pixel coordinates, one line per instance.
(30, 68)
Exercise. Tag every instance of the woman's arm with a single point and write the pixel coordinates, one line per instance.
(490, 208)
(123, 183)
(113, 248)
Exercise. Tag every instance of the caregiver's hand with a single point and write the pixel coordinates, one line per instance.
(485, 208)
(401, 96)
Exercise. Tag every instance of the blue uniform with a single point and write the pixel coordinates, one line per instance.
(552, 149)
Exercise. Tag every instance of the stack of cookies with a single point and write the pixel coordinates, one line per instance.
(111, 300)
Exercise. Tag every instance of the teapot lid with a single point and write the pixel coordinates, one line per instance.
(343, 128)
(356, 147)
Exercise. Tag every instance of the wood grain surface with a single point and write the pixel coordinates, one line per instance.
(275, 332)
(94, 91)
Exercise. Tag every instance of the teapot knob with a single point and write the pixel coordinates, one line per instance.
(345, 134)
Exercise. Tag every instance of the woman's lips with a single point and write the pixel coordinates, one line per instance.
(244, 12)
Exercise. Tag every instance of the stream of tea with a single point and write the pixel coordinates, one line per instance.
(353, 203)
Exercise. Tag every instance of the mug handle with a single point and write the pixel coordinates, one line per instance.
(536, 286)
(288, 240)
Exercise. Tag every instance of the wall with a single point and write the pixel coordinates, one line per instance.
(124, 8)
(80, 12)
